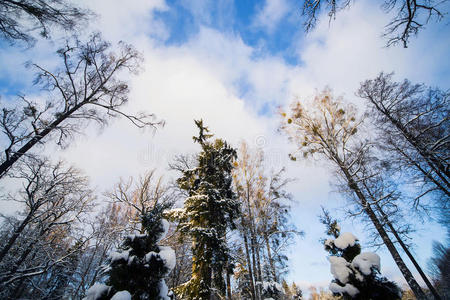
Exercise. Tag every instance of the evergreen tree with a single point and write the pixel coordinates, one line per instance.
(286, 289)
(243, 280)
(357, 275)
(210, 208)
(291, 292)
(297, 293)
(272, 290)
(137, 271)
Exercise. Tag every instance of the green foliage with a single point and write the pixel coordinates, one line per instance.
(209, 210)
(139, 267)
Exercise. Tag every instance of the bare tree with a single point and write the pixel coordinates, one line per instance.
(329, 129)
(87, 87)
(55, 198)
(246, 176)
(265, 226)
(106, 229)
(139, 197)
(50, 192)
(183, 267)
(278, 233)
(410, 16)
(413, 121)
(19, 18)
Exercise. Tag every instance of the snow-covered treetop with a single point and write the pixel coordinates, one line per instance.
(357, 275)
(340, 268)
(345, 245)
(345, 240)
(367, 262)
(138, 268)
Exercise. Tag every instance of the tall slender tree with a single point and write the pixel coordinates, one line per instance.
(265, 225)
(413, 121)
(19, 19)
(329, 129)
(208, 211)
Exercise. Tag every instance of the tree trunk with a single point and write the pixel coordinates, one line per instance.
(258, 264)
(255, 267)
(431, 160)
(249, 263)
(253, 246)
(270, 258)
(36, 139)
(421, 169)
(15, 235)
(415, 287)
(411, 257)
(228, 284)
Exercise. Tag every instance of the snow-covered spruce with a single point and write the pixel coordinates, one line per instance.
(137, 270)
(272, 290)
(357, 275)
(210, 209)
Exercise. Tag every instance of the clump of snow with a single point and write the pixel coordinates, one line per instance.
(364, 262)
(177, 212)
(339, 268)
(359, 276)
(131, 258)
(345, 240)
(272, 285)
(271, 289)
(328, 243)
(166, 226)
(149, 255)
(136, 235)
(163, 290)
(122, 295)
(95, 291)
(168, 255)
(114, 256)
(348, 288)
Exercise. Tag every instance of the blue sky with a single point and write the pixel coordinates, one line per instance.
(244, 18)
(233, 63)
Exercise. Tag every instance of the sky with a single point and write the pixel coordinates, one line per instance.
(233, 64)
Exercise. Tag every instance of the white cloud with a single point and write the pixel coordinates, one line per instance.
(271, 14)
(178, 87)
(200, 9)
(130, 21)
(351, 49)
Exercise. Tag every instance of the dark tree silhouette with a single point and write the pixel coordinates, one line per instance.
(86, 87)
(414, 124)
(19, 18)
(410, 16)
